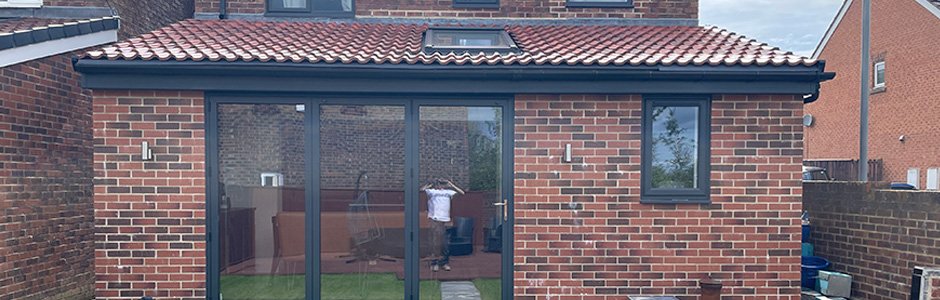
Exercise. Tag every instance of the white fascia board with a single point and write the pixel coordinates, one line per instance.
(832, 28)
(29, 52)
(930, 7)
(20, 3)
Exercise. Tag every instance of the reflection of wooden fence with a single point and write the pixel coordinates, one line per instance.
(847, 170)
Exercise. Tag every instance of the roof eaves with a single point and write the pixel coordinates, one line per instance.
(49, 32)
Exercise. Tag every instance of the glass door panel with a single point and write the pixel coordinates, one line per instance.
(362, 202)
(460, 204)
(261, 201)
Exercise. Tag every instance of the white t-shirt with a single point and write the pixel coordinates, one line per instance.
(439, 204)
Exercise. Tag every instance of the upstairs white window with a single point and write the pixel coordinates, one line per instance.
(21, 3)
(325, 8)
(879, 74)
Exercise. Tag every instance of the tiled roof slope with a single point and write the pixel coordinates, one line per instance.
(8, 25)
(386, 43)
(935, 3)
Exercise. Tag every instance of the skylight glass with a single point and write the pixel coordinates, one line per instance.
(475, 39)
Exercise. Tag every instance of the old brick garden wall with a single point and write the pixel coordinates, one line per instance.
(581, 231)
(877, 236)
(46, 224)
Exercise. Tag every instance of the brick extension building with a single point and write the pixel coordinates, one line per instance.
(46, 144)
(605, 149)
(903, 111)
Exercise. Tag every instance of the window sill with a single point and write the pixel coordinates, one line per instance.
(678, 200)
(476, 5)
(324, 14)
(878, 90)
(599, 4)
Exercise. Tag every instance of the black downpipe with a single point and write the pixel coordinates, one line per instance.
(222, 14)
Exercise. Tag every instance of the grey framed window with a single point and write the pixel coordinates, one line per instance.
(477, 3)
(304, 8)
(468, 40)
(600, 3)
(675, 156)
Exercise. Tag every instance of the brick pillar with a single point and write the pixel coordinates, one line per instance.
(149, 215)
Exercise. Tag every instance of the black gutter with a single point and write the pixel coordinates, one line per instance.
(822, 77)
(438, 78)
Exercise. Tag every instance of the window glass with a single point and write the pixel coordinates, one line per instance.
(294, 3)
(468, 39)
(675, 158)
(476, 39)
(879, 74)
(674, 147)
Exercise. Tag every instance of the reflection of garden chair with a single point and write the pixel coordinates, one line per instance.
(461, 237)
(289, 247)
(364, 229)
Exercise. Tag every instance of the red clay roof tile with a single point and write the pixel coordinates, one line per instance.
(386, 43)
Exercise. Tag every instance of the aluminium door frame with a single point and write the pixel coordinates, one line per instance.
(312, 104)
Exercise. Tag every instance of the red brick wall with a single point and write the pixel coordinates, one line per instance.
(905, 35)
(507, 9)
(46, 228)
(149, 215)
(877, 236)
(608, 245)
(581, 230)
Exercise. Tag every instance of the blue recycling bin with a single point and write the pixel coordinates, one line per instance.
(809, 270)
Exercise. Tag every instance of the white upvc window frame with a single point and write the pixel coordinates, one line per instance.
(20, 3)
(874, 75)
(277, 179)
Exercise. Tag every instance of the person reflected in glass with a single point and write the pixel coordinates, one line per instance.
(440, 191)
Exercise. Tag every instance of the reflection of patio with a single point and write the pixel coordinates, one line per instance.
(468, 267)
(475, 266)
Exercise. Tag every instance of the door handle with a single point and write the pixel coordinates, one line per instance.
(504, 205)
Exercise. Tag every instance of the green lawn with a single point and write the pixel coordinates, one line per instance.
(376, 286)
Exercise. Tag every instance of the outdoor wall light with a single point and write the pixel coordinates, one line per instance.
(567, 157)
(146, 153)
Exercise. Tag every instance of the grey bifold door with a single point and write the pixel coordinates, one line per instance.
(359, 199)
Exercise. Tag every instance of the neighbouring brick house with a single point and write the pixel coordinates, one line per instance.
(903, 109)
(47, 245)
(604, 149)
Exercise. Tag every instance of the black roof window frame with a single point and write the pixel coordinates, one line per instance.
(507, 45)
(599, 4)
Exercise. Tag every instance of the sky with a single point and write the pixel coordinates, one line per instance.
(791, 25)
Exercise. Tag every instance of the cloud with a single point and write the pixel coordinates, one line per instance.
(792, 25)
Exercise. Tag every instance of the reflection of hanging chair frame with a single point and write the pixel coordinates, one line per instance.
(364, 229)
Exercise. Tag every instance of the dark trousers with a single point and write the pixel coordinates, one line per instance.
(439, 245)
